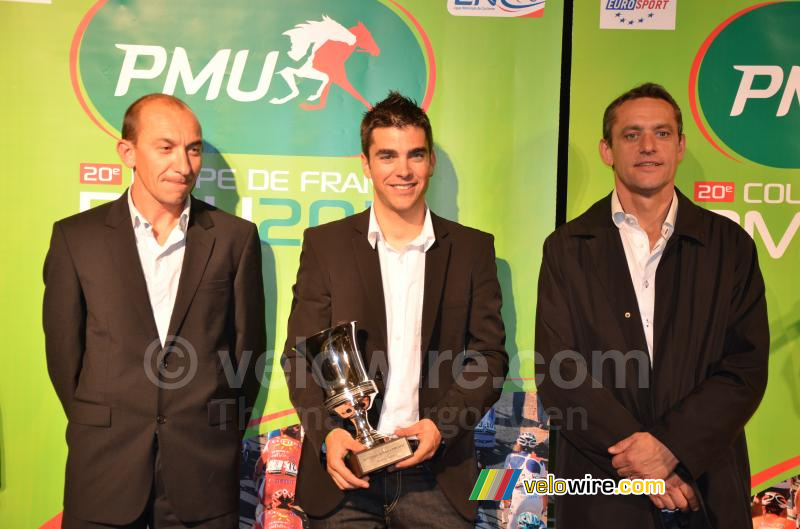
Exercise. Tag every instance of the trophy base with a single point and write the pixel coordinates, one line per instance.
(380, 456)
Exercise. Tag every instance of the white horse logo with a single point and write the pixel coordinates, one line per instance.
(331, 45)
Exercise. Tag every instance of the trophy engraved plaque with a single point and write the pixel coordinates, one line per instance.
(337, 367)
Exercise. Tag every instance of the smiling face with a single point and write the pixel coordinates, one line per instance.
(645, 147)
(166, 153)
(400, 165)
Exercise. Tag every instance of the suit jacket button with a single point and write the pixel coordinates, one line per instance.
(161, 419)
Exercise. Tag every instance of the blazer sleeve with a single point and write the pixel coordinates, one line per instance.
(485, 364)
(249, 321)
(63, 318)
(715, 413)
(310, 313)
(603, 420)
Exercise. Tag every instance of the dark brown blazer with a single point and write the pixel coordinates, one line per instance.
(339, 279)
(102, 351)
(711, 343)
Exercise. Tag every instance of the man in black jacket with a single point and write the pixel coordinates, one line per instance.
(654, 310)
(150, 302)
(425, 294)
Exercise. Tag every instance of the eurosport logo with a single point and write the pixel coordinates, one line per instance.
(745, 83)
(638, 14)
(254, 75)
(496, 8)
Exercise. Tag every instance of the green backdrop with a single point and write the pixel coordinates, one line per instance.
(491, 85)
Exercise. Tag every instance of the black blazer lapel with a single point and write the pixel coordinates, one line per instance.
(673, 267)
(369, 267)
(121, 243)
(437, 259)
(611, 271)
(199, 243)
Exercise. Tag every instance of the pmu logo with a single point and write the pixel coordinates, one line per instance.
(321, 46)
(287, 80)
(745, 82)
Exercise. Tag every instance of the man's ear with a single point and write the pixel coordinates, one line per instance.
(127, 153)
(433, 162)
(365, 166)
(605, 153)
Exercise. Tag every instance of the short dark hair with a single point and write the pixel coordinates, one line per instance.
(398, 111)
(130, 123)
(651, 90)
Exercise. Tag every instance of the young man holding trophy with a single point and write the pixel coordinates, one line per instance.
(422, 359)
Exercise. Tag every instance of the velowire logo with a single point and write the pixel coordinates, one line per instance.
(290, 80)
(745, 82)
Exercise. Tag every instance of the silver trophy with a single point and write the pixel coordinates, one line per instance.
(337, 367)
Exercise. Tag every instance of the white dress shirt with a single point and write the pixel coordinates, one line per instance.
(161, 264)
(403, 276)
(642, 261)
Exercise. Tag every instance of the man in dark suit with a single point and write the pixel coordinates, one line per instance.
(652, 323)
(153, 319)
(425, 294)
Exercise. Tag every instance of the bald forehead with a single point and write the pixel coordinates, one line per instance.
(164, 106)
(146, 107)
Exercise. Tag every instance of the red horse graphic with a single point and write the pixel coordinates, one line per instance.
(331, 46)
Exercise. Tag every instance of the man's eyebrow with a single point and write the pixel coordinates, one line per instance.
(171, 142)
(637, 127)
(385, 151)
(418, 150)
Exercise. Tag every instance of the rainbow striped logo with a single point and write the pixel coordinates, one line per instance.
(495, 484)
